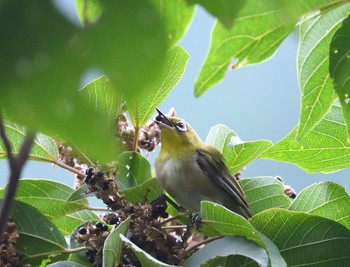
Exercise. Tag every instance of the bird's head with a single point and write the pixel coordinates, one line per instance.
(176, 134)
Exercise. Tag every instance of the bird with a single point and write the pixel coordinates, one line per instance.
(192, 171)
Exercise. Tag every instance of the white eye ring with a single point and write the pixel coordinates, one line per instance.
(181, 126)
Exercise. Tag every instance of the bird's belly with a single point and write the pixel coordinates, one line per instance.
(186, 183)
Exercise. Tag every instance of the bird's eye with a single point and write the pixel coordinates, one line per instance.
(159, 117)
(181, 126)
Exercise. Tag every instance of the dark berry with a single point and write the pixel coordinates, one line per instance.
(88, 178)
(99, 225)
(164, 215)
(89, 171)
(82, 230)
(100, 174)
(92, 181)
(104, 227)
(91, 258)
(293, 195)
(111, 218)
(89, 252)
(105, 186)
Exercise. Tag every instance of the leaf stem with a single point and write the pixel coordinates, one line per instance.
(174, 227)
(173, 219)
(65, 251)
(98, 209)
(190, 250)
(69, 168)
(16, 164)
(136, 138)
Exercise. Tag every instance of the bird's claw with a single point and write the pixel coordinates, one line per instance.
(196, 220)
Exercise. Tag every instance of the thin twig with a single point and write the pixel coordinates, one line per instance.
(173, 219)
(98, 209)
(69, 168)
(174, 227)
(190, 250)
(64, 251)
(16, 164)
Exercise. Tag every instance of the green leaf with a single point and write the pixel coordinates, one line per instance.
(304, 239)
(65, 264)
(78, 194)
(237, 154)
(145, 259)
(34, 228)
(143, 193)
(225, 247)
(339, 68)
(225, 10)
(317, 94)
(176, 16)
(43, 149)
(325, 149)
(112, 248)
(259, 28)
(88, 10)
(217, 220)
(263, 193)
(102, 96)
(274, 254)
(134, 169)
(325, 199)
(51, 199)
(175, 64)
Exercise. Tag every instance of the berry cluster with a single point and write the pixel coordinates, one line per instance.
(93, 236)
(8, 255)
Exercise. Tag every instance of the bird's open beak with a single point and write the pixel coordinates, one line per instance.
(162, 120)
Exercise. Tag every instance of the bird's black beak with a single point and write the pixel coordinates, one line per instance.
(162, 120)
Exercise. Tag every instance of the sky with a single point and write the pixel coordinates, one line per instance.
(258, 102)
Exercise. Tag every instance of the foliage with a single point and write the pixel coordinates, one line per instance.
(135, 45)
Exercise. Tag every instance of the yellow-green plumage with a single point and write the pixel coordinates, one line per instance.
(192, 171)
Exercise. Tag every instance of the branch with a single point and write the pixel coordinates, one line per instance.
(16, 164)
(69, 168)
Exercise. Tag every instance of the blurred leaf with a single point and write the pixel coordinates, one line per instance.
(34, 228)
(325, 149)
(175, 64)
(51, 199)
(225, 10)
(317, 94)
(263, 193)
(176, 16)
(304, 239)
(225, 247)
(134, 169)
(217, 220)
(88, 10)
(102, 96)
(325, 199)
(43, 149)
(237, 154)
(259, 28)
(339, 67)
(65, 264)
(143, 193)
(112, 248)
(145, 259)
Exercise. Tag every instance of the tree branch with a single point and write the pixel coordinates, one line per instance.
(16, 164)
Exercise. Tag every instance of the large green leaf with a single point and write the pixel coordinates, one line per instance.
(237, 154)
(325, 199)
(34, 228)
(40, 82)
(51, 199)
(339, 67)
(259, 28)
(217, 220)
(143, 193)
(102, 96)
(225, 10)
(263, 193)
(175, 64)
(176, 16)
(134, 169)
(112, 248)
(226, 247)
(317, 94)
(304, 239)
(43, 149)
(325, 149)
(145, 259)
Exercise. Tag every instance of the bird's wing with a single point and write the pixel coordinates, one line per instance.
(213, 165)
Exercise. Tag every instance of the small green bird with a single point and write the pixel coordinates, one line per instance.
(192, 171)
